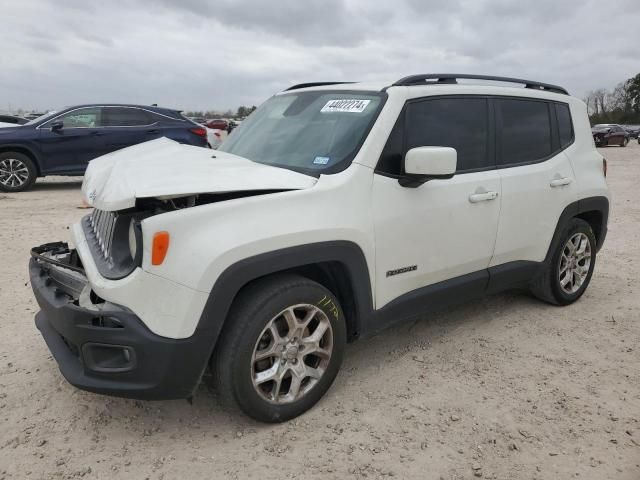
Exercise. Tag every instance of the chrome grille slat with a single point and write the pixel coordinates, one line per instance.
(107, 237)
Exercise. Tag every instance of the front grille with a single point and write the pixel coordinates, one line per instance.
(102, 225)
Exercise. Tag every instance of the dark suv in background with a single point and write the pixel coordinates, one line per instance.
(63, 143)
(633, 130)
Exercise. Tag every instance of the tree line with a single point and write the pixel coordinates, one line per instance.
(620, 105)
(241, 112)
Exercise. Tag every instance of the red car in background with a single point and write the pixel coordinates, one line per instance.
(217, 124)
(605, 134)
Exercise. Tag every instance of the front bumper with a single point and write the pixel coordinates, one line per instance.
(103, 347)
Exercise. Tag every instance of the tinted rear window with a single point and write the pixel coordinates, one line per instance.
(525, 135)
(125, 117)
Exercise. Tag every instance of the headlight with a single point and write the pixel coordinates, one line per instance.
(133, 241)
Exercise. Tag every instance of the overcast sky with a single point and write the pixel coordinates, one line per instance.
(201, 54)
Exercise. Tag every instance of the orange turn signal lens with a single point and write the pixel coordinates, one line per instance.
(159, 247)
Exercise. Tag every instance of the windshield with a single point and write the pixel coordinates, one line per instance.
(309, 132)
(41, 117)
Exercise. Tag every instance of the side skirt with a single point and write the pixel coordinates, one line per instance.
(448, 293)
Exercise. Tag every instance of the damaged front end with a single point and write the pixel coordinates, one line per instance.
(100, 346)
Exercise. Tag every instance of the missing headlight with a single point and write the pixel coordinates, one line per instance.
(124, 241)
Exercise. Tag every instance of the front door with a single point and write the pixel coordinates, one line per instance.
(70, 148)
(444, 228)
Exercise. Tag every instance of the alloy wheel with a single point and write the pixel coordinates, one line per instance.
(574, 263)
(292, 354)
(13, 172)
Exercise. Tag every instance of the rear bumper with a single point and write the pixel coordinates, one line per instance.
(105, 348)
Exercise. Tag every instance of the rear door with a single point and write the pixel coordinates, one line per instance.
(537, 178)
(126, 126)
(70, 148)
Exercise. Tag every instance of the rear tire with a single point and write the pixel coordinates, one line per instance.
(567, 274)
(268, 361)
(17, 172)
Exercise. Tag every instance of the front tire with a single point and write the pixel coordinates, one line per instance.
(17, 172)
(567, 274)
(624, 142)
(281, 349)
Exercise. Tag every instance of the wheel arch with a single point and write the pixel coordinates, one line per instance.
(340, 266)
(593, 210)
(25, 151)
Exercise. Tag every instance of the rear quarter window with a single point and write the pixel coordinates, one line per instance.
(565, 126)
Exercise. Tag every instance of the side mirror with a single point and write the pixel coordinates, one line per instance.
(56, 126)
(422, 164)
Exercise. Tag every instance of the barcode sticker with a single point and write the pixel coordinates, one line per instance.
(345, 106)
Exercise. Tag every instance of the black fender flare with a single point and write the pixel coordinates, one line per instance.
(589, 204)
(238, 275)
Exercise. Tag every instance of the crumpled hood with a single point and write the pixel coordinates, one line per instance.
(164, 168)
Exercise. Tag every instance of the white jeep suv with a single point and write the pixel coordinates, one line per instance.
(332, 212)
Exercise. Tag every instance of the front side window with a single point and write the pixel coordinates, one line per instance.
(81, 118)
(458, 122)
(309, 132)
(524, 131)
(461, 123)
(126, 117)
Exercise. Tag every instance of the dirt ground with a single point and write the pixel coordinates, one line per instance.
(504, 388)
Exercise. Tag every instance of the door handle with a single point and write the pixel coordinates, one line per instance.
(97, 133)
(560, 182)
(482, 197)
(153, 131)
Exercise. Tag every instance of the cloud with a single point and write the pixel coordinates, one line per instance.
(199, 54)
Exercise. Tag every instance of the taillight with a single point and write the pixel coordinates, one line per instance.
(604, 166)
(200, 131)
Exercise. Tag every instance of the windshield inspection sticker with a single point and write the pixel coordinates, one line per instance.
(345, 106)
(321, 160)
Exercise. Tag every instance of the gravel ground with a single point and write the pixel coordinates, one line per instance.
(504, 388)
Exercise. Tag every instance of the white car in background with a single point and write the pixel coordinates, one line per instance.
(215, 136)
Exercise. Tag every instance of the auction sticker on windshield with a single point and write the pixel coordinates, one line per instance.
(345, 106)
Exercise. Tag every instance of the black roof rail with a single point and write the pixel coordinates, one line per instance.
(314, 84)
(449, 78)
